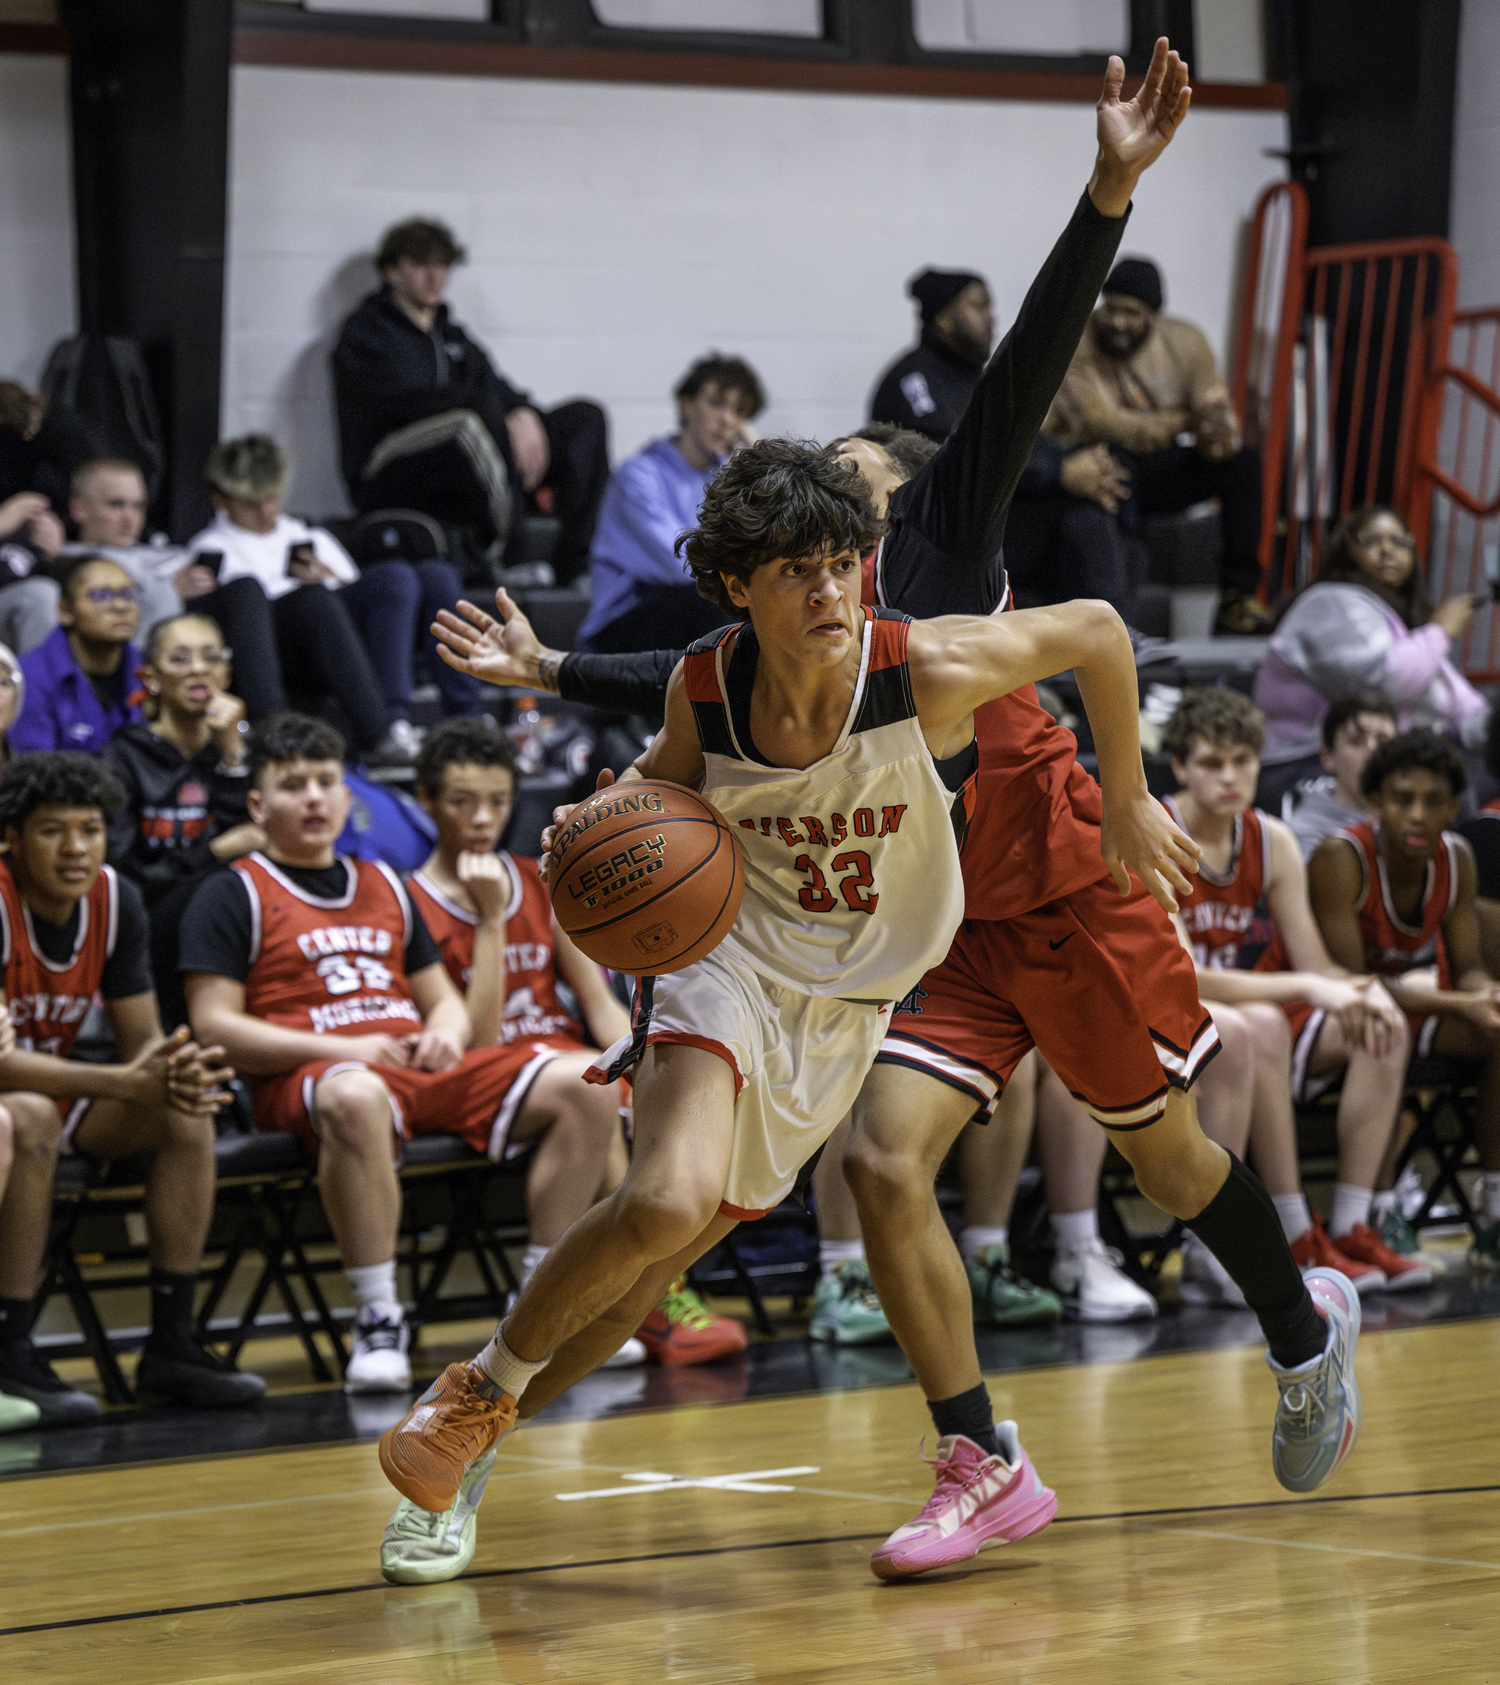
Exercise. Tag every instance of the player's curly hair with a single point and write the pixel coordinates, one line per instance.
(1428, 750)
(909, 450)
(1217, 715)
(292, 737)
(777, 498)
(472, 741)
(56, 778)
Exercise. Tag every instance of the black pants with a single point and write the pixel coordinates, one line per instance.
(1062, 547)
(670, 617)
(1168, 481)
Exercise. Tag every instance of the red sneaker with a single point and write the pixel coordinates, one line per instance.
(682, 1329)
(1314, 1250)
(1364, 1244)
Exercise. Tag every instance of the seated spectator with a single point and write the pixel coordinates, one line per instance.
(320, 600)
(16, 1414)
(1308, 1015)
(74, 930)
(1419, 931)
(12, 695)
(108, 509)
(1140, 379)
(642, 595)
(31, 539)
(321, 980)
(1365, 621)
(1353, 728)
(183, 772)
(1062, 540)
(39, 447)
(81, 680)
(928, 388)
(426, 423)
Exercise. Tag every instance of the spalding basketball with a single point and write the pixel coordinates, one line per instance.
(646, 877)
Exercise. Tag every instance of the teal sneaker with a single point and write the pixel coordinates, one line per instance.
(1484, 1254)
(846, 1311)
(1006, 1299)
(1318, 1413)
(1396, 1232)
(420, 1548)
(17, 1414)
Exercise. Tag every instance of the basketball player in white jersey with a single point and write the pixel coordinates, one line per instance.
(832, 727)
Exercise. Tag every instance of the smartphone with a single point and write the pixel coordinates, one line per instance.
(213, 560)
(305, 553)
(1492, 569)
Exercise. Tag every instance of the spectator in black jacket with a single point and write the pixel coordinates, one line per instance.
(426, 422)
(184, 774)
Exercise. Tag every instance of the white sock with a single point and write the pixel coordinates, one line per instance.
(1382, 1204)
(832, 1253)
(1073, 1230)
(1492, 1194)
(530, 1258)
(509, 1372)
(972, 1241)
(1351, 1206)
(374, 1290)
(1295, 1217)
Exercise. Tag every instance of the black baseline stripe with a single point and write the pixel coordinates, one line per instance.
(713, 1550)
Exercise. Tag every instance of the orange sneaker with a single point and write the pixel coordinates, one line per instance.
(1314, 1250)
(430, 1450)
(682, 1329)
(1364, 1244)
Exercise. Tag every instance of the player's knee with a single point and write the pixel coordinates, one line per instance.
(879, 1173)
(1270, 1033)
(352, 1110)
(663, 1220)
(36, 1125)
(1235, 1051)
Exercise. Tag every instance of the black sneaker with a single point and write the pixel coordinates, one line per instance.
(1242, 616)
(181, 1372)
(25, 1373)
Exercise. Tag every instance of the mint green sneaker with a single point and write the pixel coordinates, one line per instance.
(17, 1414)
(420, 1548)
(846, 1311)
(1006, 1299)
(1397, 1233)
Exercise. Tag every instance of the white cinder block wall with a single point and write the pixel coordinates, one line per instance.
(1474, 211)
(617, 232)
(37, 305)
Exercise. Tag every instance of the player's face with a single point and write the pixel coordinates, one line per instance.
(875, 468)
(1220, 777)
(58, 853)
(1353, 744)
(102, 605)
(1415, 806)
(807, 607)
(1385, 552)
(301, 806)
(190, 666)
(1121, 324)
(472, 808)
(111, 509)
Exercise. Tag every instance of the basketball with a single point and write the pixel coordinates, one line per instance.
(646, 877)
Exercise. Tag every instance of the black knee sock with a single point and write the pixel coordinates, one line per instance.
(1240, 1227)
(970, 1414)
(172, 1306)
(15, 1319)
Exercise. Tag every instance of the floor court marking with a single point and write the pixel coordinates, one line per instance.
(1331, 1550)
(757, 1480)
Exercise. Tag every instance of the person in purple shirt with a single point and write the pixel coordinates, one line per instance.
(81, 679)
(643, 597)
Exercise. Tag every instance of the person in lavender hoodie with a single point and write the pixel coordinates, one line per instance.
(642, 595)
(1365, 622)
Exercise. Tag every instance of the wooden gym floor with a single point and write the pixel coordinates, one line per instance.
(1174, 1557)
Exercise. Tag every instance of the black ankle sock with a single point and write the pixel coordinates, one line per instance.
(1240, 1227)
(172, 1307)
(15, 1320)
(970, 1414)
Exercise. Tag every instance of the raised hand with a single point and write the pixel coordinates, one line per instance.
(1134, 133)
(503, 651)
(1140, 836)
(488, 884)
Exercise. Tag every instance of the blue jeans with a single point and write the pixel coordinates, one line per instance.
(392, 604)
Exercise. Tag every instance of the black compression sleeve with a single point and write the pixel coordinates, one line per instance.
(620, 684)
(127, 971)
(421, 950)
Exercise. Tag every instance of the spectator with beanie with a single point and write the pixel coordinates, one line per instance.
(1140, 380)
(643, 597)
(929, 388)
(426, 422)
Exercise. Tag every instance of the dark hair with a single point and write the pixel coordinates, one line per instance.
(420, 239)
(909, 451)
(1217, 716)
(777, 498)
(251, 467)
(1491, 741)
(1337, 566)
(1427, 750)
(1351, 707)
(729, 374)
(474, 741)
(72, 566)
(151, 643)
(56, 778)
(291, 737)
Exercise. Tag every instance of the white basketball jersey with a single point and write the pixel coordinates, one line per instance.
(852, 882)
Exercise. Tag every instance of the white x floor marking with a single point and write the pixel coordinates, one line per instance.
(755, 1481)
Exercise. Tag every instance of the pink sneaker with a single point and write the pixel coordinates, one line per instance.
(979, 1502)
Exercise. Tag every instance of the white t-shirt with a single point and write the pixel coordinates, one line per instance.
(262, 555)
(145, 563)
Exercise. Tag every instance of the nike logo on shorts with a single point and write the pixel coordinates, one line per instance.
(1054, 946)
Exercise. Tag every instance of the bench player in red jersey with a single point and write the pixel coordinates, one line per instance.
(325, 988)
(1396, 895)
(1262, 961)
(71, 930)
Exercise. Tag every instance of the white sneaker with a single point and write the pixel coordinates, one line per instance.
(1205, 1281)
(1095, 1288)
(379, 1362)
(629, 1356)
(421, 1549)
(400, 746)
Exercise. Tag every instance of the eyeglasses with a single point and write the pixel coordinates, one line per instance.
(185, 660)
(100, 595)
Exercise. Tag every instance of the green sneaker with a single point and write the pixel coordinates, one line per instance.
(17, 1414)
(420, 1548)
(1397, 1233)
(846, 1311)
(1006, 1299)
(1484, 1254)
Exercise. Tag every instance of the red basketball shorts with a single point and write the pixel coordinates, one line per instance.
(1306, 1023)
(477, 1100)
(1096, 980)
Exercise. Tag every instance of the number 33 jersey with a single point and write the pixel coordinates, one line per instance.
(852, 882)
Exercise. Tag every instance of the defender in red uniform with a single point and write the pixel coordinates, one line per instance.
(1262, 963)
(1396, 896)
(321, 980)
(72, 931)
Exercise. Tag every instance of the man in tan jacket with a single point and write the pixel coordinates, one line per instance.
(1147, 386)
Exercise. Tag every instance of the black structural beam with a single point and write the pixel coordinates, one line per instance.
(150, 112)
